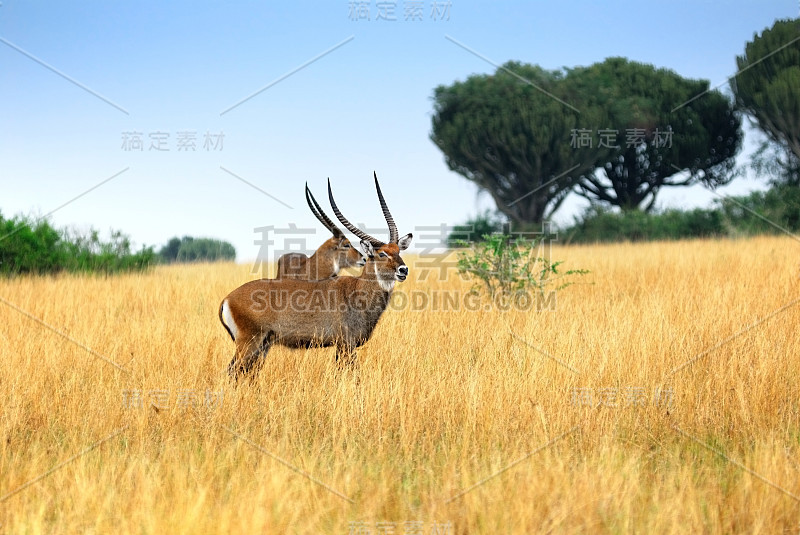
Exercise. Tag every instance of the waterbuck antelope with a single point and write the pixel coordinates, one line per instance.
(336, 253)
(341, 311)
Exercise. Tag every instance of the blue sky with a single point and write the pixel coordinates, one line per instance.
(366, 105)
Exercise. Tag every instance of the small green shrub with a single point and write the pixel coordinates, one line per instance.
(507, 266)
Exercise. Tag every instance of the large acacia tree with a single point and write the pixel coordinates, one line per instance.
(767, 88)
(510, 133)
(660, 129)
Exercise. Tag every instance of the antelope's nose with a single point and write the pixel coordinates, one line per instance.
(403, 270)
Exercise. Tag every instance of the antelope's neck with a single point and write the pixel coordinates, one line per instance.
(371, 281)
(322, 267)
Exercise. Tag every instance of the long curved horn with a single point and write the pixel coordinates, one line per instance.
(348, 225)
(389, 221)
(319, 214)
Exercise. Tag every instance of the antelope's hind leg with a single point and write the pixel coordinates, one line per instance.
(249, 355)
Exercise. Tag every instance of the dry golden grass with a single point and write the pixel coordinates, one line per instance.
(441, 401)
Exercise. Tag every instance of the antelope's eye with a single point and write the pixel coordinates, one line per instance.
(383, 255)
(346, 245)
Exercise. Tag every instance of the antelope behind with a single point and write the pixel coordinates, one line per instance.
(335, 254)
(340, 312)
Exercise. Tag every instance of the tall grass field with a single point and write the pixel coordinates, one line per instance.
(660, 394)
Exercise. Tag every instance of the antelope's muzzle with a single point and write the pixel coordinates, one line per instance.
(402, 273)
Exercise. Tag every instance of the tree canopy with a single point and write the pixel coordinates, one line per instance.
(656, 125)
(618, 130)
(509, 133)
(767, 88)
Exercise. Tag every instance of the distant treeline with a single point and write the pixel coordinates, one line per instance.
(188, 249)
(34, 246)
(774, 211)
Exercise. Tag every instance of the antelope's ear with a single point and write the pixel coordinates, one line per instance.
(404, 242)
(366, 246)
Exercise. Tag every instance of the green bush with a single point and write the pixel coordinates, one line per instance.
(763, 212)
(36, 247)
(508, 266)
(602, 225)
(30, 247)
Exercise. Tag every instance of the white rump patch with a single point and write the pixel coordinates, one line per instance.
(227, 319)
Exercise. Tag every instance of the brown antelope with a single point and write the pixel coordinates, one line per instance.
(336, 253)
(341, 311)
